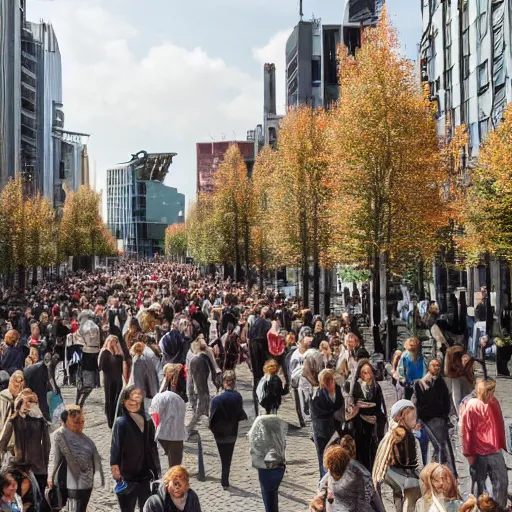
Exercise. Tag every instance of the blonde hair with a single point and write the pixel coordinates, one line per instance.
(271, 367)
(324, 377)
(176, 472)
(11, 337)
(137, 348)
(434, 469)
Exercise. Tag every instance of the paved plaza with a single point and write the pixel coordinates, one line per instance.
(301, 476)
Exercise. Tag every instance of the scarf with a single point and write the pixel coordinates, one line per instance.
(77, 449)
(171, 380)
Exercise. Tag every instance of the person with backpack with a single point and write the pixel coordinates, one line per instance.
(88, 367)
(270, 388)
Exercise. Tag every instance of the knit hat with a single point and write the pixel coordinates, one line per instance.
(399, 406)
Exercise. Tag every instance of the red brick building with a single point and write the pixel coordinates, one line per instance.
(210, 156)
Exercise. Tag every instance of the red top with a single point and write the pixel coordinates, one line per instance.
(74, 325)
(482, 428)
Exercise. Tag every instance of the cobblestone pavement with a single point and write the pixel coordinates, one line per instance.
(301, 476)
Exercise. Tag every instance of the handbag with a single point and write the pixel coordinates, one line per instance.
(404, 479)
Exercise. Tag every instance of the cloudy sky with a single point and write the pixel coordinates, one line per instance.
(165, 74)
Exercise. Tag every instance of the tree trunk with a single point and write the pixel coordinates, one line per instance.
(305, 283)
(376, 303)
(421, 279)
(316, 265)
(237, 254)
(246, 254)
(489, 320)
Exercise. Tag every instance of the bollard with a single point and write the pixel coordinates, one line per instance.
(200, 460)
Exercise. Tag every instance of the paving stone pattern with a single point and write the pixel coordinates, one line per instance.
(298, 486)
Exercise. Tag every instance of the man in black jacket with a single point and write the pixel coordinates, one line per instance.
(258, 350)
(433, 404)
(133, 452)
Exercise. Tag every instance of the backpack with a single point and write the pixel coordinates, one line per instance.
(275, 343)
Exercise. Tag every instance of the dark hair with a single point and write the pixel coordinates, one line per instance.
(5, 480)
(125, 394)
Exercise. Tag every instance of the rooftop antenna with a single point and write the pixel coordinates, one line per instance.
(301, 11)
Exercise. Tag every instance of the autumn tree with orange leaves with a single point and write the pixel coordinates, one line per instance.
(387, 163)
(301, 197)
(264, 180)
(487, 211)
(233, 211)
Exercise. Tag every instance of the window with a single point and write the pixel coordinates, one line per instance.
(483, 77)
(465, 66)
(483, 129)
(316, 72)
(482, 18)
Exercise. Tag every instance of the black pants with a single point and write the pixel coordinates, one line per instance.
(81, 498)
(226, 456)
(140, 493)
(42, 482)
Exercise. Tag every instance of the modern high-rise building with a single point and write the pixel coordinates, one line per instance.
(311, 53)
(466, 60)
(211, 154)
(140, 206)
(10, 88)
(31, 112)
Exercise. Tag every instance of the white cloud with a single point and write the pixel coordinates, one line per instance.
(166, 99)
(274, 52)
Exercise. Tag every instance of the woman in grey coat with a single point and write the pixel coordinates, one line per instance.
(143, 375)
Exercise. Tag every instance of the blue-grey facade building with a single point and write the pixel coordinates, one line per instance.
(33, 142)
(140, 206)
(10, 88)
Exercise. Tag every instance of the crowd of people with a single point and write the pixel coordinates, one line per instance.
(161, 338)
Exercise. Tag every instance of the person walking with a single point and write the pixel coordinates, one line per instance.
(133, 452)
(433, 405)
(168, 412)
(226, 412)
(411, 366)
(369, 414)
(397, 460)
(13, 357)
(483, 439)
(111, 364)
(267, 439)
(75, 451)
(327, 408)
(31, 438)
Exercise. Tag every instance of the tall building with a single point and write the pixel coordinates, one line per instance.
(140, 206)
(466, 60)
(311, 64)
(311, 53)
(267, 133)
(211, 154)
(31, 112)
(10, 88)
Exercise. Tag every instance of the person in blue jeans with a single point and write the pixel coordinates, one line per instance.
(411, 366)
(267, 439)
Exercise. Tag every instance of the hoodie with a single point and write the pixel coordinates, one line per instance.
(162, 502)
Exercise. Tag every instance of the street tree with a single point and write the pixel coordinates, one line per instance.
(176, 241)
(233, 210)
(487, 208)
(202, 235)
(387, 163)
(264, 180)
(302, 194)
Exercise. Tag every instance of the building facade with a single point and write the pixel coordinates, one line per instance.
(140, 206)
(466, 59)
(211, 154)
(31, 111)
(10, 88)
